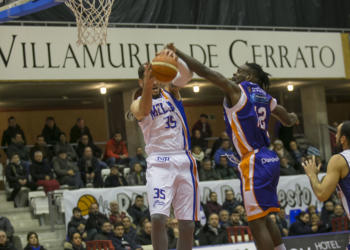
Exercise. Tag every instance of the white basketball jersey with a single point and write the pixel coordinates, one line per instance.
(343, 186)
(165, 129)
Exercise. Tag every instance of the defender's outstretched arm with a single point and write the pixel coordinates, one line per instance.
(287, 119)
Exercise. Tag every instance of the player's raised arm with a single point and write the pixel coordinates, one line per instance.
(141, 108)
(287, 119)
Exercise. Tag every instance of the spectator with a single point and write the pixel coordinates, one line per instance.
(322, 227)
(6, 226)
(114, 179)
(96, 219)
(40, 145)
(295, 153)
(96, 151)
(63, 144)
(136, 177)
(203, 126)
(141, 224)
(311, 210)
(33, 242)
(274, 219)
(139, 158)
(226, 172)
(78, 130)
(11, 132)
(245, 219)
(335, 125)
(198, 141)
(235, 220)
(283, 221)
(282, 152)
(122, 241)
(41, 173)
(51, 132)
(240, 210)
(128, 229)
(327, 211)
(4, 243)
(213, 206)
(115, 215)
(17, 177)
(322, 163)
(105, 230)
(174, 223)
(145, 238)
(338, 212)
(199, 155)
(75, 242)
(224, 217)
(116, 152)
(78, 224)
(66, 171)
(217, 143)
(286, 168)
(212, 233)
(231, 202)
(207, 173)
(18, 147)
(224, 150)
(138, 210)
(301, 227)
(90, 169)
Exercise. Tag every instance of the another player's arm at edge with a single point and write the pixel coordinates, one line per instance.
(287, 119)
(142, 107)
(335, 170)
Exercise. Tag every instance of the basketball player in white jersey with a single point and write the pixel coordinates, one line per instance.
(338, 173)
(172, 177)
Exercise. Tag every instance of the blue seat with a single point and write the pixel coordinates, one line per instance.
(292, 214)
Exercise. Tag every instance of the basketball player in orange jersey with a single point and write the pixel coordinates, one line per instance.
(247, 109)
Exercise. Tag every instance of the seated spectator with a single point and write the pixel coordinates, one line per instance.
(78, 224)
(67, 173)
(40, 145)
(17, 177)
(90, 170)
(282, 152)
(139, 158)
(212, 233)
(105, 230)
(321, 227)
(96, 151)
(338, 213)
(240, 210)
(327, 211)
(51, 132)
(62, 144)
(224, 217)
(6, 226)
(174, 223)
(231, 202)
(203, 126)
(223, 169)
(96, 218)
(274, 219)
(19, 148)
(145, 238)
(116, 151)
(301, 227)
(11, 132)
(74, 243)
(313, 151)
(283, 221)
(235, 220)
(115, 215)
(213, 206)
(311, 210)
(224, 151)
(33, 242)
(207, 173)
(245, 219)
(286, 168)
(128, 229)
(138, 210)
(136, 177)
(322, 163)
(4, 243)
(295, 153)
(114, 179)
(198, 141)
(217, 143)
(78, 130)
(141, 225)
(42, 174)
(122, 241)
(199, 155)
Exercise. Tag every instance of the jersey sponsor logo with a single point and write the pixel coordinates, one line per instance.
(159, 109)
(252, 208)
(162, 159)
(259, 98)
(159, 203)
(257, 89)
(267, 160)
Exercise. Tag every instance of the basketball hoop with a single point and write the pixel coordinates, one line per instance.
(92, 19)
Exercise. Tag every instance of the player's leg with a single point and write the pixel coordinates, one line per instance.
(261, 234)
(159, 234)
(275, 234)
(186, 230)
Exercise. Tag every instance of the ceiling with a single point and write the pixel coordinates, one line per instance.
(76, 94)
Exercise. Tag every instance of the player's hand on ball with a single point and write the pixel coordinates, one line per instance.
(310, 167)
(171, 46)
(167, 52)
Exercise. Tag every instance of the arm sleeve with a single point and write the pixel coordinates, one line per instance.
(184, 75)
(125, 150)
(8, 175)
(217, 157)
(273, 104)
(58, 170)
(109, 152)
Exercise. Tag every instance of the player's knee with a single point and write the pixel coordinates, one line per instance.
(186, 226)
(159, 219)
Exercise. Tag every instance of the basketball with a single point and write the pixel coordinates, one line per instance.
(164, 68)
(85, 202)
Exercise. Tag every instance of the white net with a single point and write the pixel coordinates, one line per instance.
(92, 20)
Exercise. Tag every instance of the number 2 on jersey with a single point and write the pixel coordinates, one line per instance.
(261, 113)
(170, 122)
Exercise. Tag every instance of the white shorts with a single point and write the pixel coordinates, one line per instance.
(172, 178)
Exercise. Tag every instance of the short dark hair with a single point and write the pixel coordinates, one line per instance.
(223, 156)
(206, 160)
(71, 235)
(105, 222)
(235, 211)
(11, 118)
(79, 119)
(302, 214)
(138, 197)
(50, 118)
(30, 234)
(141, 71)
(224, 140)
(229, 191)
(345, 131)
(260, 75)
(212, 193)
(62, 133)
(118, 224)
(13, 155)
(204, 115)
(76, 209)
(117, 132)
(39, 136)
